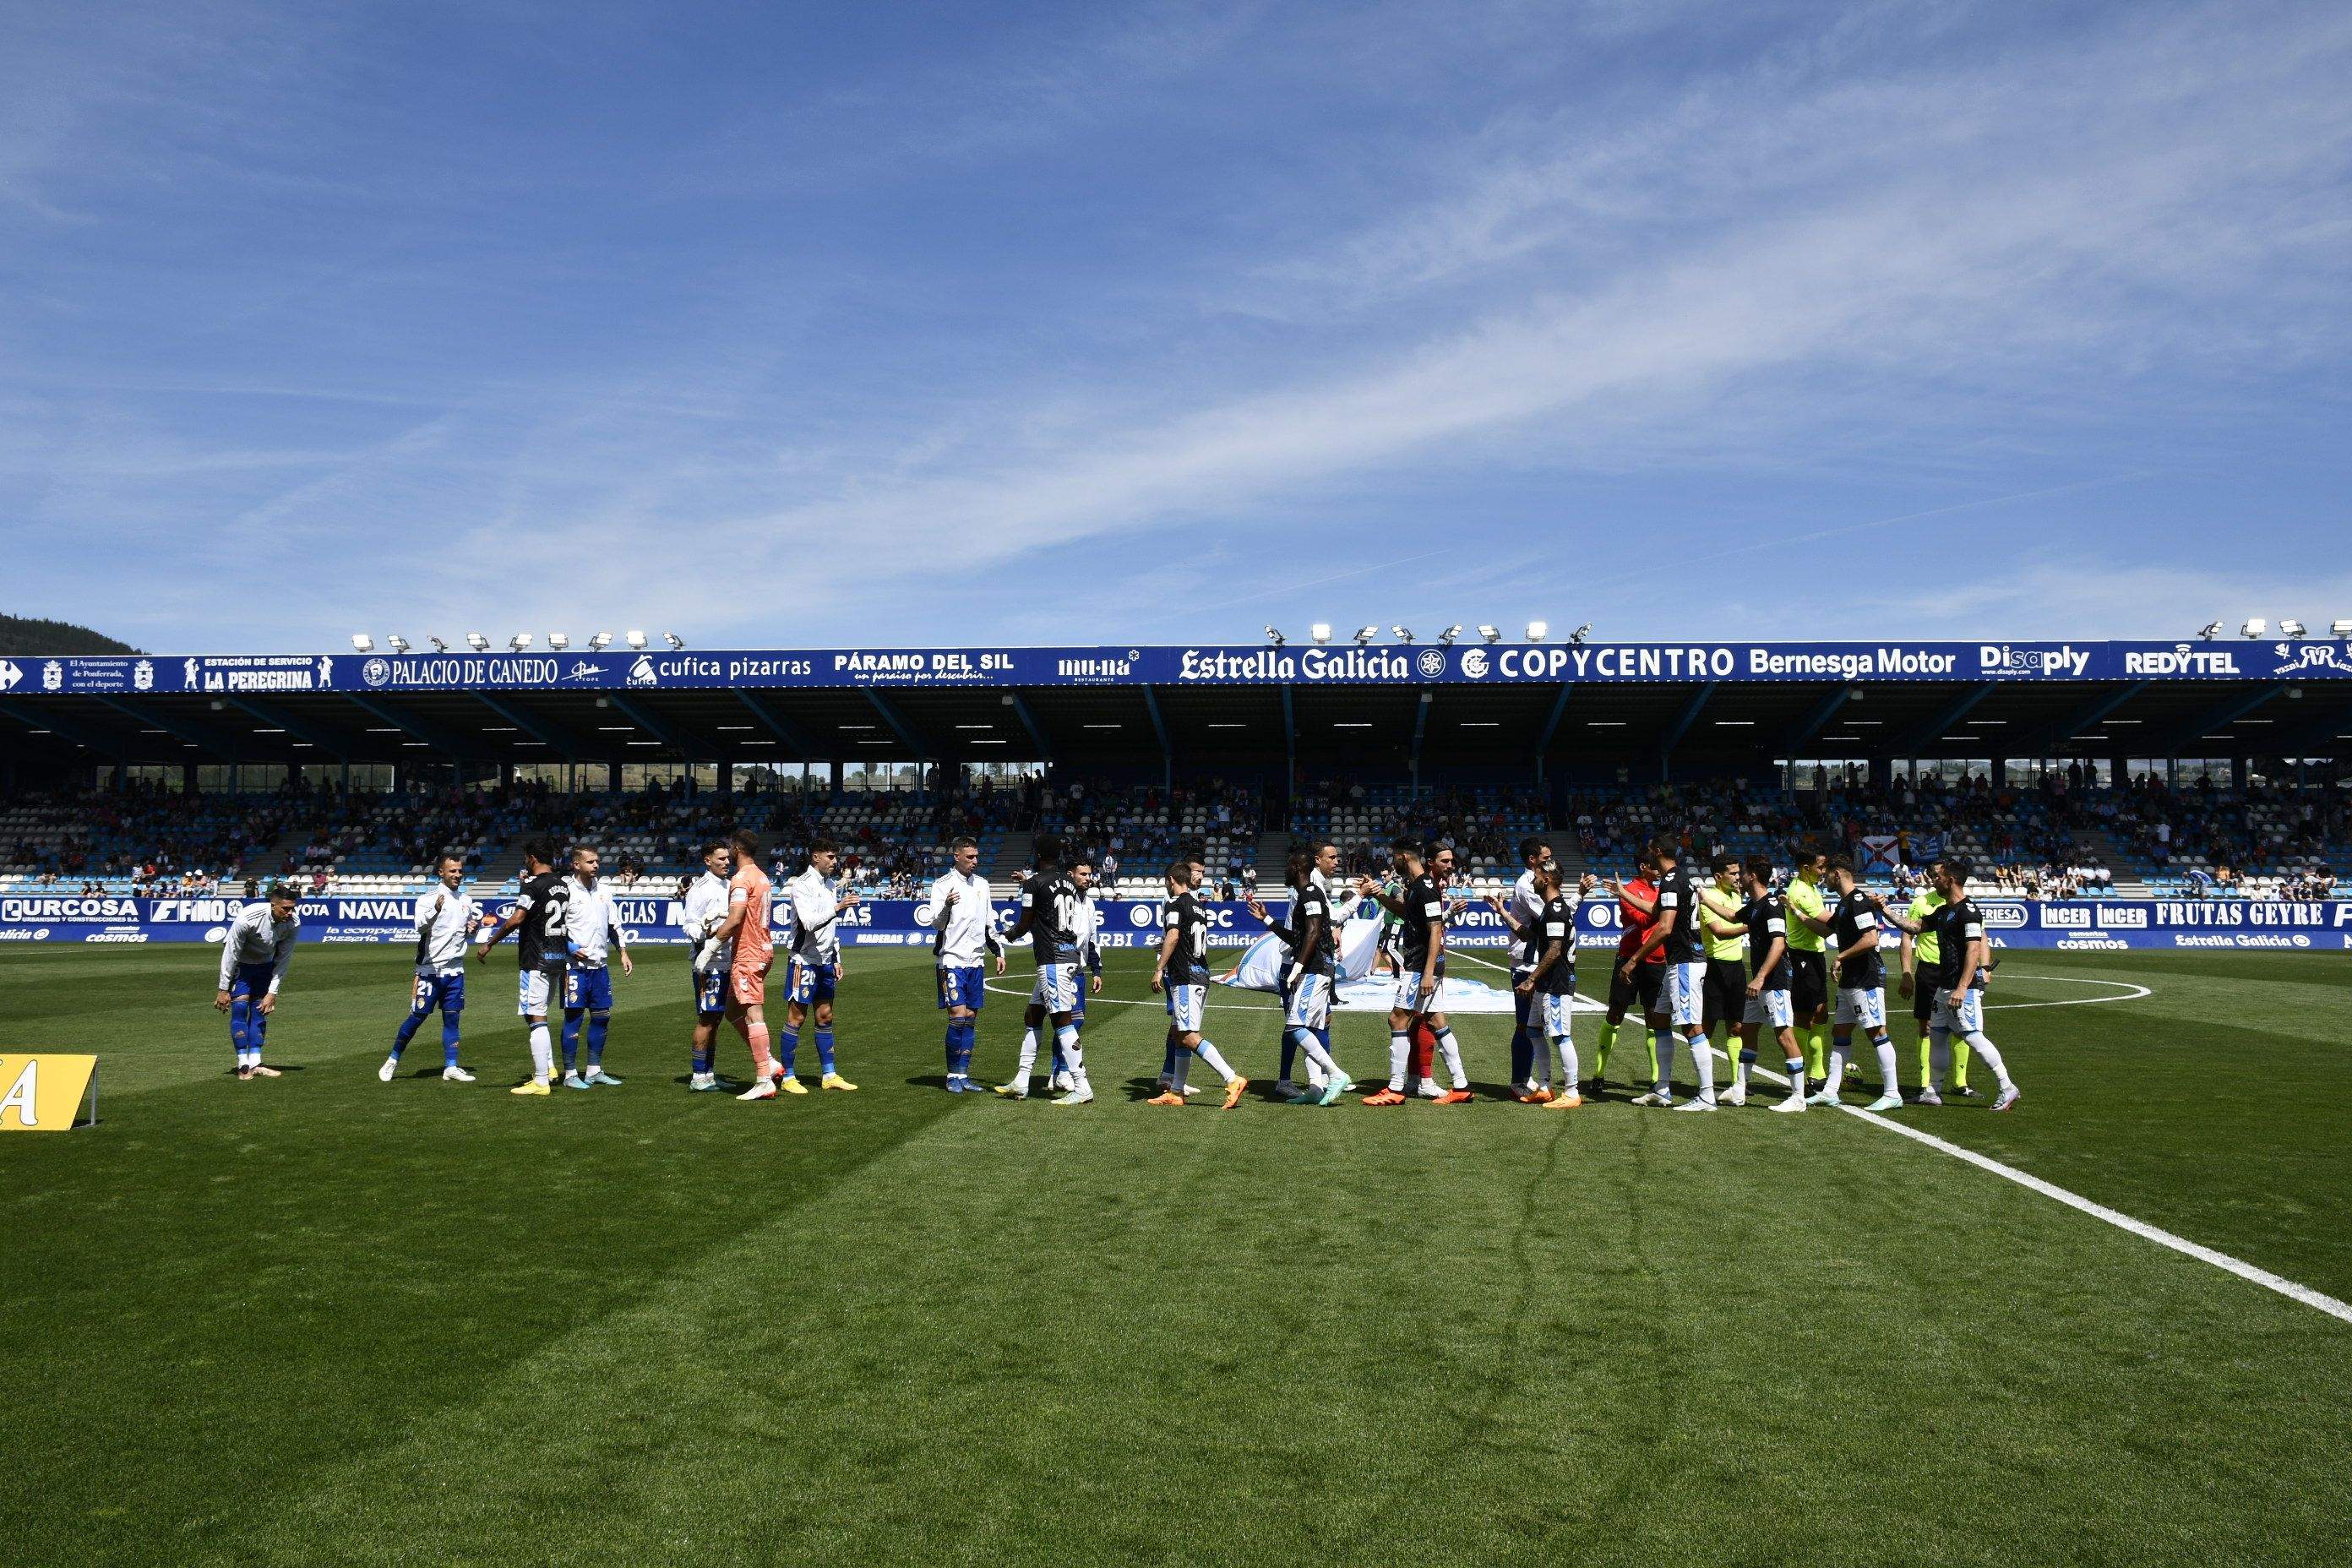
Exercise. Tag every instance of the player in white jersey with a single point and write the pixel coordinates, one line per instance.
(963, 932)
(815, 910)
(254, 956)
(1088, 930)
(445, 918)
(703, 912)
(593, 933)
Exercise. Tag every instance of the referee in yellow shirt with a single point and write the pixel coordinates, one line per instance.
(1809, 980)
(1724, 994)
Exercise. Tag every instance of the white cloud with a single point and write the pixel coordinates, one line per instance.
(1858, 248)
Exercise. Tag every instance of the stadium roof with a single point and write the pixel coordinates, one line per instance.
(1708, 706)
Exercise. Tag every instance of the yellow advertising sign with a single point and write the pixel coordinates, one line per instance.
(42, 1093)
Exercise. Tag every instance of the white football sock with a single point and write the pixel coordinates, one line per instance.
(1887, 1080)
(1987, 1052)
(542, 1054)
(1216, 1063)
(1399, 1053)
(1836, 1077)
(1703, 1061)
(1028, 1055)
(1662, 1042)
(1565, 1046)
(1320, 1067)
(1939, 1058)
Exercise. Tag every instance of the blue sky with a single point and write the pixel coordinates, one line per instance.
(913, 323)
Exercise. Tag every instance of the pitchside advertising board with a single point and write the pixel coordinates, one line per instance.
(1474, 663)
(2075, 925)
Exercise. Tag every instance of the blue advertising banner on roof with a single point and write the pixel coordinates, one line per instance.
(362, 674)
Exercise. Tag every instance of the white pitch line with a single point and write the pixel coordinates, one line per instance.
(2116, 1217)
(2289, 1288)
(2130, 992)
(2121, 1221)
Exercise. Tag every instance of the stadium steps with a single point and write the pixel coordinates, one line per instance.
(1272, 858)
(291, 842)
(1568, 849)
(1013, 857)
(2102, 850)
(501, 864)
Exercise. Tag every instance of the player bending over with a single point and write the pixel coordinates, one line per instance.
(254, 956)
(1763, 921)
(1852, 925)
(815, 973)
(1049, 917)
(539, 920)
(1961, 952)
(704, 914)
(445, 918)
(1183, 974)
(963, 930)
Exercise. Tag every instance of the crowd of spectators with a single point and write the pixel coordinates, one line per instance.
(2027, 838)
(1479, 823)
(1137, 829)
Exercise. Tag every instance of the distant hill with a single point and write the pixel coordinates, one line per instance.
(22, 634)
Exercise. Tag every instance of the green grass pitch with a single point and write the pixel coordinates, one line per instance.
(323, 1320)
